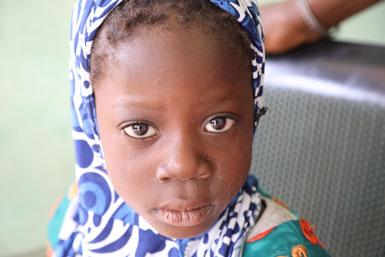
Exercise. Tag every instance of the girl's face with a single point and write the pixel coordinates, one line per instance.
(175, 116)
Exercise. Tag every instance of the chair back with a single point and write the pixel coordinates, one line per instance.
(321, 146)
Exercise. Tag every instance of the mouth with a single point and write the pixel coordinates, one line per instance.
(184, 215)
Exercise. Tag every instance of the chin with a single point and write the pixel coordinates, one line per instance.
(177, 232)
(184, 224)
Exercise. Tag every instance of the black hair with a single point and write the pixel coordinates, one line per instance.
(132, 15)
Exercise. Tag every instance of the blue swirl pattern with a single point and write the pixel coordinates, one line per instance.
(98, 222)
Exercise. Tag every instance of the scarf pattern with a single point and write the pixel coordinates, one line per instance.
(98, 222)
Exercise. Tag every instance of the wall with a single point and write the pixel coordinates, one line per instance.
(36, 162)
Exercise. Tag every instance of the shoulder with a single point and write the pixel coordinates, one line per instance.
(278, 233)
(274, 213)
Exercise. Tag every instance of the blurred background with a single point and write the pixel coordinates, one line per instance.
(36, 155)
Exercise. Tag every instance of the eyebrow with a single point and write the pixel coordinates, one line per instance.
(225, 97)
(142, 104)
(135, 104)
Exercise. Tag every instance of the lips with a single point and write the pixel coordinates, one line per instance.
(184, 214)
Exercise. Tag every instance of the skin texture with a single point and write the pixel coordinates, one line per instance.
(176, 85)
(285, 29)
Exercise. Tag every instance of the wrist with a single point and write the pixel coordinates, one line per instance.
(304, 31)
(309, 18)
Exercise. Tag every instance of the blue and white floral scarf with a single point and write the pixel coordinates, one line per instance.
(97, 221)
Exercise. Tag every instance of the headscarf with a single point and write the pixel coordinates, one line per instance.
(97, 221)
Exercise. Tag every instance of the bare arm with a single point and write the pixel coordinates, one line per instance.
(330, 12)
(285, 28)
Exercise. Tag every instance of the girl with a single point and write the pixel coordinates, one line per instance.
(163, 121)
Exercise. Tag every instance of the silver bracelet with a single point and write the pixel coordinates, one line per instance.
(308, 17)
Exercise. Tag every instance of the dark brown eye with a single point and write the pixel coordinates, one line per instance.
(139, 130)
(219, 124)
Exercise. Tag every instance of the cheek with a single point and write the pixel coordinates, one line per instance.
(130, 170)
(233, 166)
(133, 180)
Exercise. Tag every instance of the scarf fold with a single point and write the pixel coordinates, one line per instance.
(98, 222)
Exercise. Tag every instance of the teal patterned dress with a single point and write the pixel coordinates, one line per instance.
(292, 238)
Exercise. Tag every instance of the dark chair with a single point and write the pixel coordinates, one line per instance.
(321, 146)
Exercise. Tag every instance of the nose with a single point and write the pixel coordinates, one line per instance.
(183, 159)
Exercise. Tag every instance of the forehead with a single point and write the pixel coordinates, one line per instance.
(162, 62)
